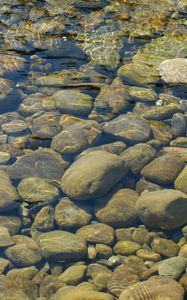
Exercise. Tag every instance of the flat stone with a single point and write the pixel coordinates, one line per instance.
(174, 71)
(163, 209)
(62, 245)
(36, 189)
(138, 156)
(97, 233)
(44, 163)
(119, 209)
(4, 157)
(93, 175)
(77, 216)
(158, 174)
(77, 137)
(129, 127)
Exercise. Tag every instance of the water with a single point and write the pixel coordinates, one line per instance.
(81, 47)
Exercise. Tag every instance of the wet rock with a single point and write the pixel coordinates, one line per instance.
(12, 223)
(180, 182)
(73, 275)
(126, 247)
(179, 142)
(141, 235)
(77, 216)
(79, 294)
(142, 94)
(44, 163)
(8, 194)
(31, 104)
(155, 287)
(77, 137)
(10, 290)
(23, 279)
(178, 124)
(164, 209)
(4, 263)
(45, 219)
(46, 126)
(161, 132)
(14, 127)
(93, 175)
(118, 210)
(97, 233)
(24, 253)
(11, 63)
(36, 189)
(148, 255)
(165, 247)
(138, 156)
(49, 286)
(72, 102)
(4, 157)
(122, 277)
(183, 251)
(124, 234)
(61, 245)
(172, 267)
(103, 251)
(99, 275)
(114, 98)
(142, 70)
(143, 185)
(129, 127)
(160, 112)
(174, 71)
(155, 172)
(5, 238)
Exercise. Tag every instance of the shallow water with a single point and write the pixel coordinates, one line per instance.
(49, 47)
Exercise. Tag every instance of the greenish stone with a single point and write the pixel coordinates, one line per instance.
(126, 247)
(36, 189)
(73, 275)
(181, 181)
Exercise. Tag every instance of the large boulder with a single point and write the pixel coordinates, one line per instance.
(119, 209)
(62, 245)
(93, 175)
(163, 209)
